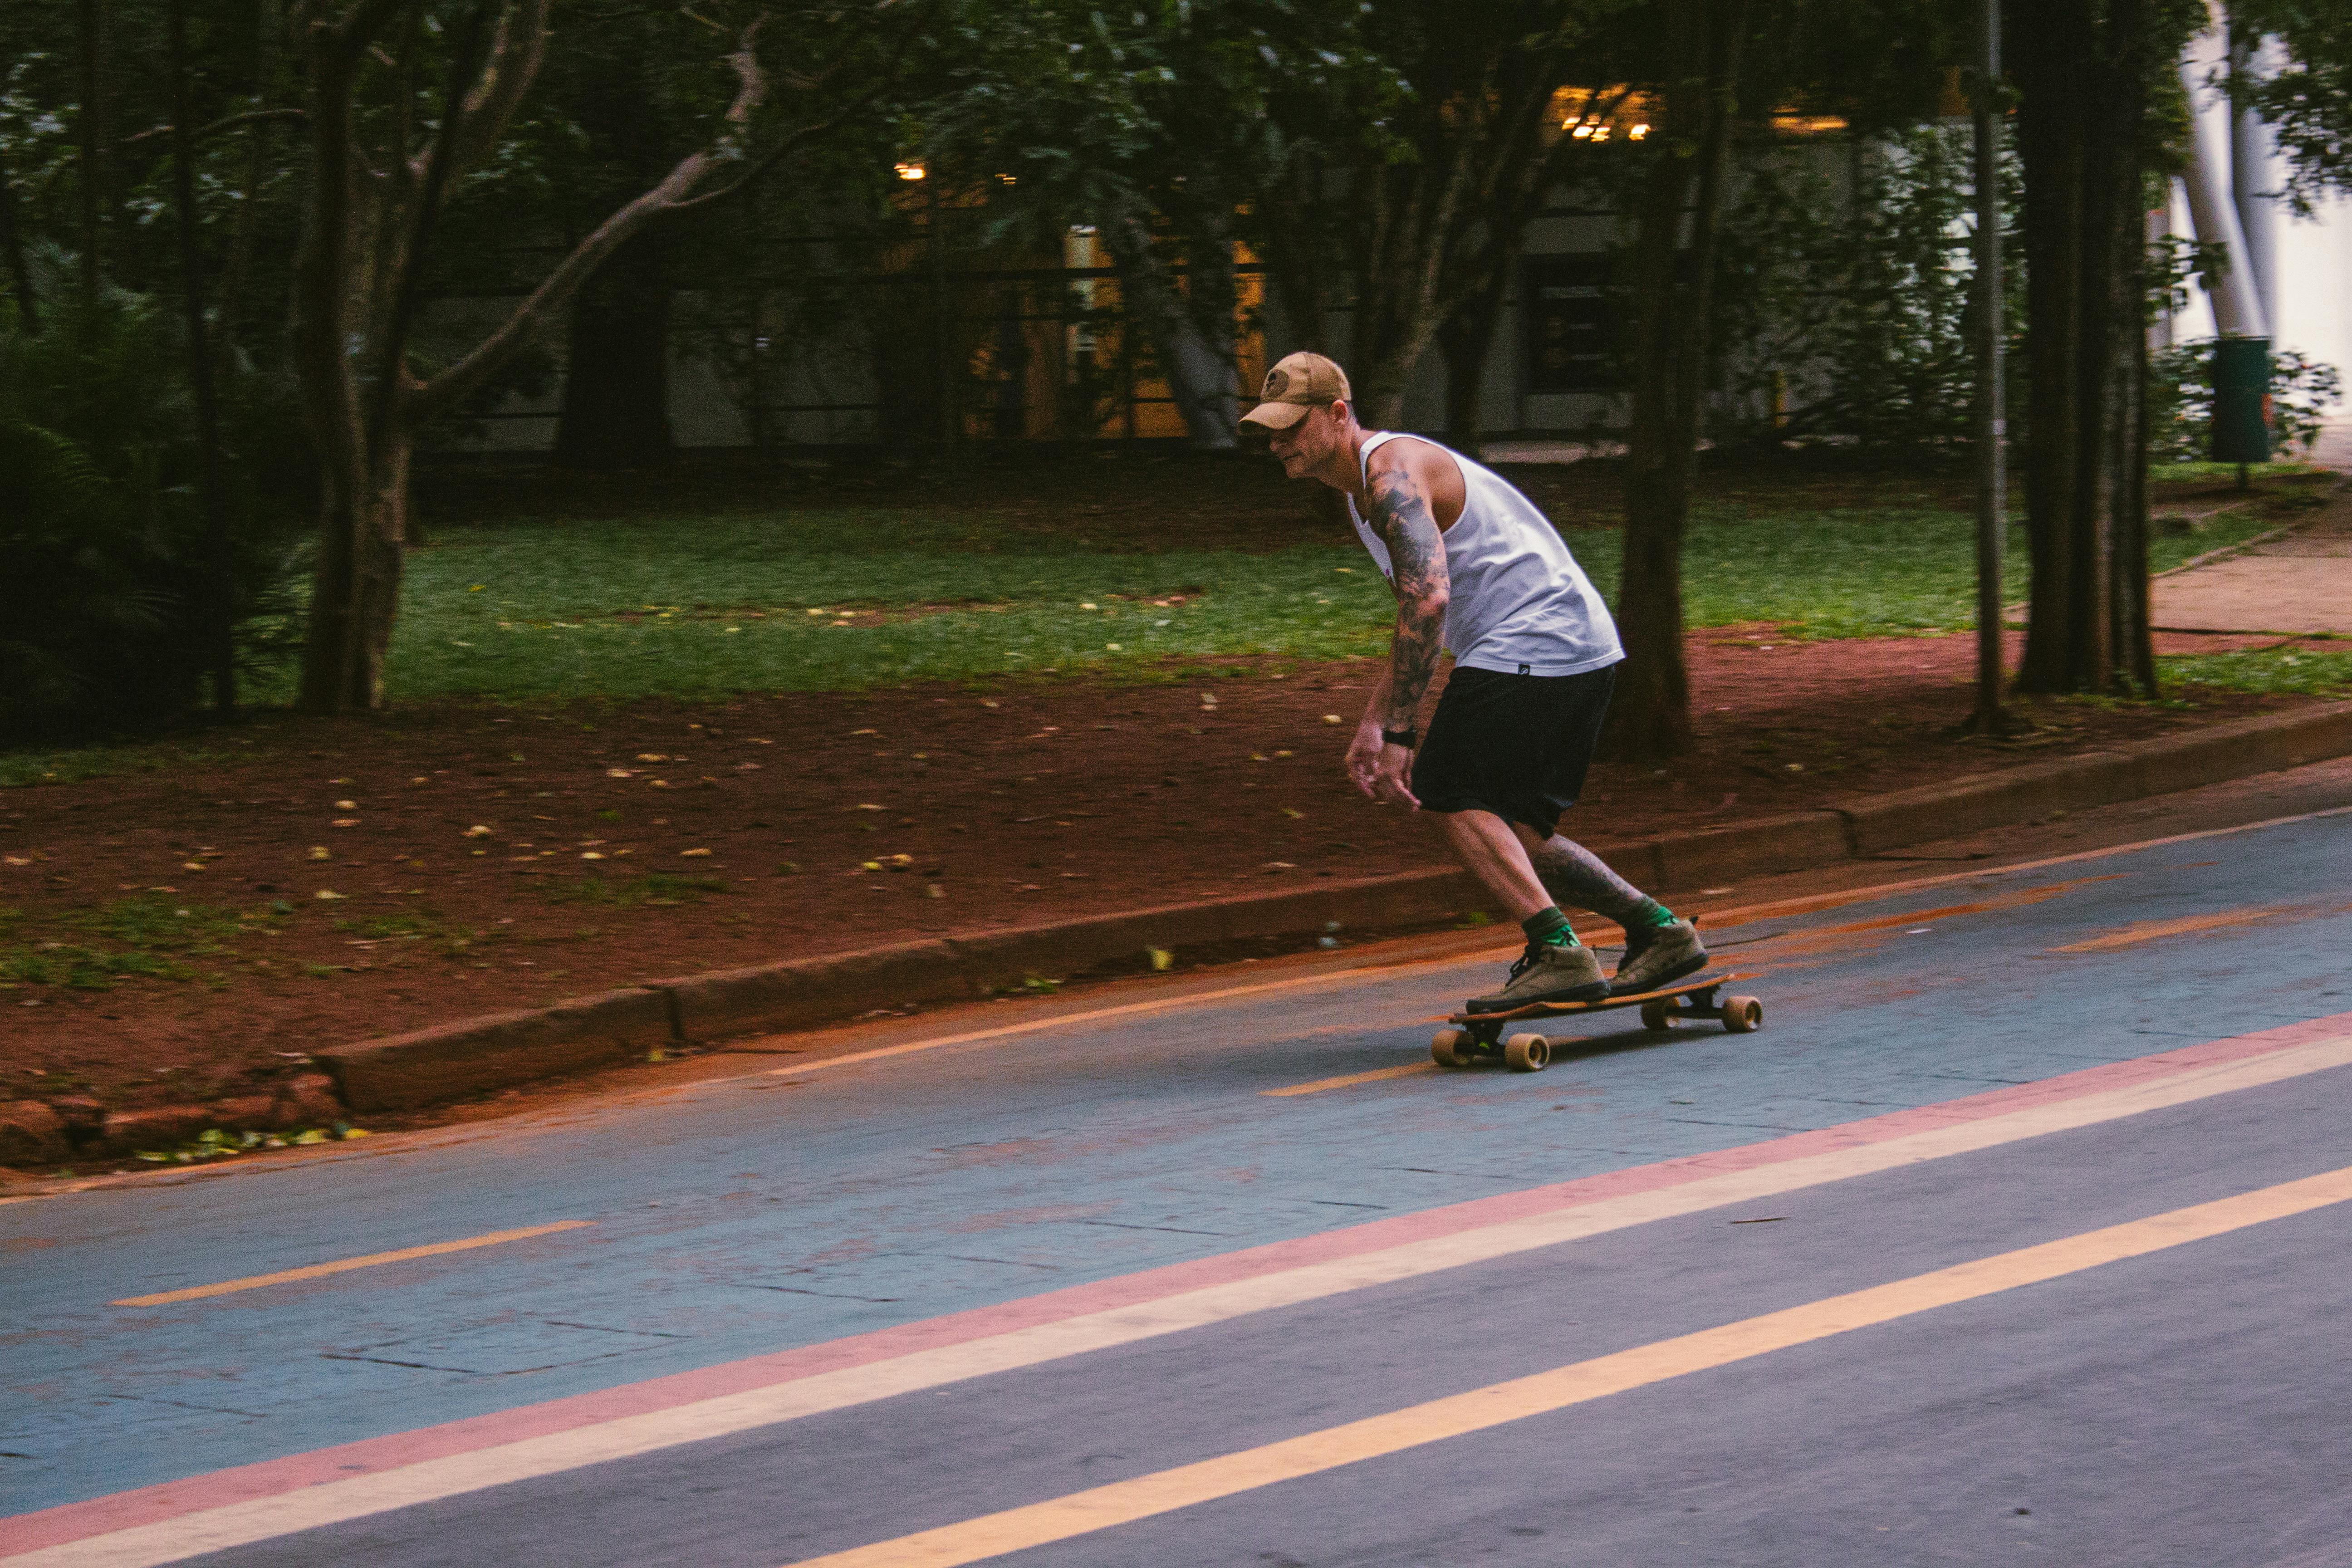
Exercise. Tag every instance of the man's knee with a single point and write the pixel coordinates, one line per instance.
(1551, 853)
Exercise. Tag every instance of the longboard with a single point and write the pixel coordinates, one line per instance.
(1479, 1036)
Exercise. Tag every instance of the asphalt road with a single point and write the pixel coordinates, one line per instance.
(2015, 1236)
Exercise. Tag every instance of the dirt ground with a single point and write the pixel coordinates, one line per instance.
(356, 879)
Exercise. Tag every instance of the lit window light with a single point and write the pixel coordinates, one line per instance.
(1581, 131)
(1601, 133)
(1637, 133)
(912, 171)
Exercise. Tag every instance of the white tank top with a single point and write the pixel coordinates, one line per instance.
(1519, 603)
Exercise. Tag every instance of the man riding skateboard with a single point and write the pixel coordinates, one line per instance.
(1478, 569)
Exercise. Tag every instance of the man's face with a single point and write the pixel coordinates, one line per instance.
(1303, 446)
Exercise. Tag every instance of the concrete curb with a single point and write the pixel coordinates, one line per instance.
(449, 1061)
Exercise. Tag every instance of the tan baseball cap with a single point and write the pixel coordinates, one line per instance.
(1297, 385)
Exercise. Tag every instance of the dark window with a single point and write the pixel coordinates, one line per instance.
(1571, 315)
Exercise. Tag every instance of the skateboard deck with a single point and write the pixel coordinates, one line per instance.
(1473, 1037)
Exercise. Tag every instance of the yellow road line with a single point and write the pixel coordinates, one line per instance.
(1350, 1080)
(343, 1266)
(1123, 1503)
(243, 1521)
(2139, 932)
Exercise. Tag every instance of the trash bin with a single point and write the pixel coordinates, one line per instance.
(2241, 397)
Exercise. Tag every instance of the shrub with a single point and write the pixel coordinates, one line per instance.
(2181, 401)
(105, 589)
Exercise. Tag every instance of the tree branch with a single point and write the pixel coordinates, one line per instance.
(883, 81)
(461, 378)
(516, 53)
(233, 122)
(433, 182)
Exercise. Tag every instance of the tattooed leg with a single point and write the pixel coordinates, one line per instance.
(1574, 874)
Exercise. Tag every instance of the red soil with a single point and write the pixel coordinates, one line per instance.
(1022, 803)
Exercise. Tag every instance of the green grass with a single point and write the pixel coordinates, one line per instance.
(2174, 473)
(67, 764)
(2298, 673)
(145, 935)
(627, 893)
(700, 605)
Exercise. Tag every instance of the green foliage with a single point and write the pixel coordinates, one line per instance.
(1852, 308)
(105, 589)
(2181, 401)
(214, 1143)
(2309, 103)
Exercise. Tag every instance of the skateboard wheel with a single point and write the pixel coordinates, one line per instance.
(1656, 1016)
(1527, 1052)
(1741, 1014)
(1445, 1048)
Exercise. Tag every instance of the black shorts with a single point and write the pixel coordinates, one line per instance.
(1515, 745)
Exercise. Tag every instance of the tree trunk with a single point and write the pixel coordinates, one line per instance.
(1467, 339)
(616, 377)
(1191, 338)
(616, 409)
(355, 593)
(1398, 308)
(1293, 233)
(1651, 716)
(2082, 113)
(229, 310)
(367, 223)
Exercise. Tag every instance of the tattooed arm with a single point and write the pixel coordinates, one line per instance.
(1403, 515)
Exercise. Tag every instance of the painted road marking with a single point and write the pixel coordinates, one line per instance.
(178, 1519)
(1123, 1503)
(345, 1265)
(2139, 932)
(1738, 915)
(1350, 1080)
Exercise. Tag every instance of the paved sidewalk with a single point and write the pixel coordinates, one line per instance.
(2298, 583)
(2334, 448)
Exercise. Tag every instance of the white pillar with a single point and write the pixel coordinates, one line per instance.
(2237, 308)
(2255, 178)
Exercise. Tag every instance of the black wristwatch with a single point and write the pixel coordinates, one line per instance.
(1407, 737)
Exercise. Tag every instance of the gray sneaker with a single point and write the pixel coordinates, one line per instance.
(1659, 957)
(1548, 974)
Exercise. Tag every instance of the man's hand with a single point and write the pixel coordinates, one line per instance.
(1379, 770)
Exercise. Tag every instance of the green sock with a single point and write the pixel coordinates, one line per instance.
(1549, 928)
(1656, 917)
